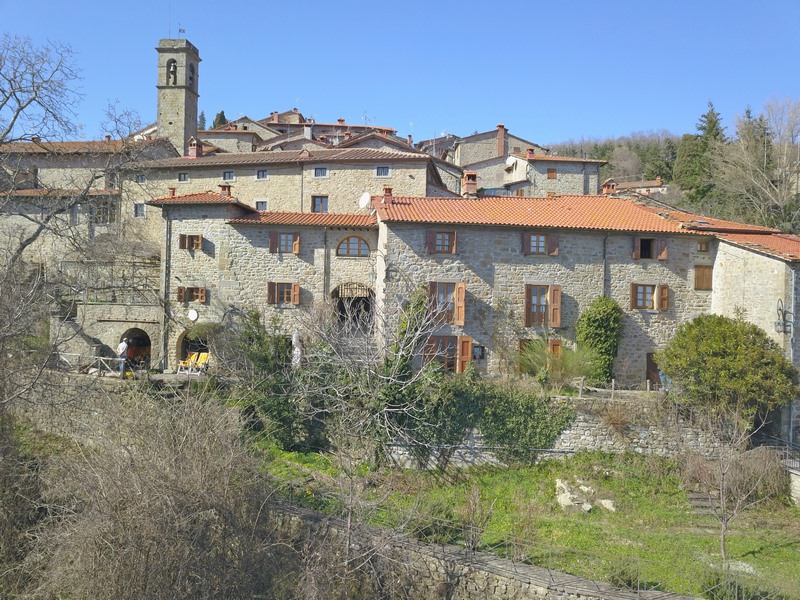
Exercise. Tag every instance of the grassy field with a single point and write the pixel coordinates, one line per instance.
(652, 540)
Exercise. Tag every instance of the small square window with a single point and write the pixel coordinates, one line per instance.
(183, 177)
(286, 242)
(383, 172)
(644, 296)
(538, 244)
(552, 174)
(228, 176)
(646, 248)
(262, 174)
(140, 179)
(320, 171)
(703, 245)
(262, 205)
(319, 204)
(138, 210)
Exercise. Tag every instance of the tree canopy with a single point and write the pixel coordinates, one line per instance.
(219, 120)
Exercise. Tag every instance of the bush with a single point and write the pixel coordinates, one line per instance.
(553, 370)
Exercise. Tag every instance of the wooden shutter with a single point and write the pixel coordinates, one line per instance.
(661, 244)
(528, 307)
(272, 293)
(633, 295)
(460, 303)
(554, 306)
(703, 277)
(181, 294)
(295, 293)
(464, 353)
(273, 241)
(453, 242)
(201, 295)
(663, 297)
(526, 243)
(552, 244)
(197, 242)
(296, 244)
(637, 248)
(430, 241)
(182, 244)
(555, 346)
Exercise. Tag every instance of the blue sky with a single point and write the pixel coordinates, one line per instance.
(549, 71)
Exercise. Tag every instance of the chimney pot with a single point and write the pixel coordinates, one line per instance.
(108, 138)
(340, 121)
(410, 140)
(171, 192)
(469, 184)
(501, 139)
(225, 189)
(530, 153)
(36, 139)
(387, 194)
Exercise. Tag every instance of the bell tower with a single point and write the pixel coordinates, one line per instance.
(178, 71)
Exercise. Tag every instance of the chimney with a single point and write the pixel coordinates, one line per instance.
(347, 135)
(295, 109)
(171, 192)
(36, 139)
(501, 139)
(108, 138)
(551, 195)
(307, 132)
(275, 117)
(195, 148)
(340, 121)
(225, 189)
(529, 153)
(469, 184)
(410, 140)
(387, 195)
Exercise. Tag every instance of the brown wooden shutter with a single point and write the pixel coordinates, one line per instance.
(528, 305)
(273, 241)
(637, 248)
(453, 249)
(181, 294)
(182, 245)
(460, 303)
(661, 244)
(555, 346)
(663, 297)
(296, 244)
(526, 243)
(430, 241)
(464, 353)
(552, 244)
(633, 295)
(555, 306)
(272, 293)
(295, 293)
(198, 242)
(201, 295)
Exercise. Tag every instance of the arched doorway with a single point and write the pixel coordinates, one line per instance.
(355, 306)
(139, 348)
(190, 343)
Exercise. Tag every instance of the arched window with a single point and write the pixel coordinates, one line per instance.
(191, 76)
(172, 72)
(353, 246)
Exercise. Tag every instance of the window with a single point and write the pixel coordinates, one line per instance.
(320, 171)
(319, 204)
(448, 301)
(542, 305)
(703, 245)
(283, 293)
(383, 172)
(183, 177)
(649, 248)
(190, 242)
(703, 277)
(441, 242)
(453, 353)
(262, 174)
(138, 210)
(540, 244)
(520, 192)
(104, 212)
(552, 174)
(112, 181)
(645, 296)
(140, 179)
(192, 294)
(228, 176)
(262, 205)
(352, 246)
(282, 242)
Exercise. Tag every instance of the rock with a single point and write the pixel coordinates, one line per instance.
(607, 504)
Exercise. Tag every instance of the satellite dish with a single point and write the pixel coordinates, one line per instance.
(364, 200)
(510, 161)
(192, 315)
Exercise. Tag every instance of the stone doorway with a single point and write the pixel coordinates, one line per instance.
(355, 306)
(139, 348)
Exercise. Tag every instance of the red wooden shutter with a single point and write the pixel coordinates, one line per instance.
(555, 346)
(526, 243)
(464, 353)
(430, 241)
(182, 245)
(555, 306)
(272, 293)
(552, 244)
(201, 295)
(637, 247)
(460, 303)
(661, 243)
(296, 244)
(295, 293)
(663, 297)
(453, 243)
(181, 294)
(633, 295)
(528, 305)
(273, 241)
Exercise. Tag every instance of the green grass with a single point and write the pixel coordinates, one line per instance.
(652, 538)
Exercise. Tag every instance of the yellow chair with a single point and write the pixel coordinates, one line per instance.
(186, 365)
(200, 365)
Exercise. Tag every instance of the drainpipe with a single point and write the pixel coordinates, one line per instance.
(326, 274)
(606, 291)
(166, 288)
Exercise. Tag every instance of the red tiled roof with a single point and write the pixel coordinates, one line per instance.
(555, 158)
(196, 198)
(298, 218)
(781, 245)
(563, 212)
(633, 185)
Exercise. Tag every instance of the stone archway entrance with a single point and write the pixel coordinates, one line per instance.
(189, 344)
(355, 306)
(139, 348)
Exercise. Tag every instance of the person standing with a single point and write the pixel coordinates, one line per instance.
(122, 355)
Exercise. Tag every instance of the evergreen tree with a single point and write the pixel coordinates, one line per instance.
(201, 121)
(710, 126)
(219, 120)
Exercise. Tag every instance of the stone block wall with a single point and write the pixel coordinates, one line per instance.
(571, 178)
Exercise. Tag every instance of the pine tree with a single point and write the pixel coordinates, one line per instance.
(219, 120)
(201, 121)
(710, 127)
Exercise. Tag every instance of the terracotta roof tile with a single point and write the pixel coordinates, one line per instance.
(780, 245)
(312, 219)
(287, 156)
(198, 198)
(556, 158)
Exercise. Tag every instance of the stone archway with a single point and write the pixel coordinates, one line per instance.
(188, 344)
(139, 348)
(355, 306)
